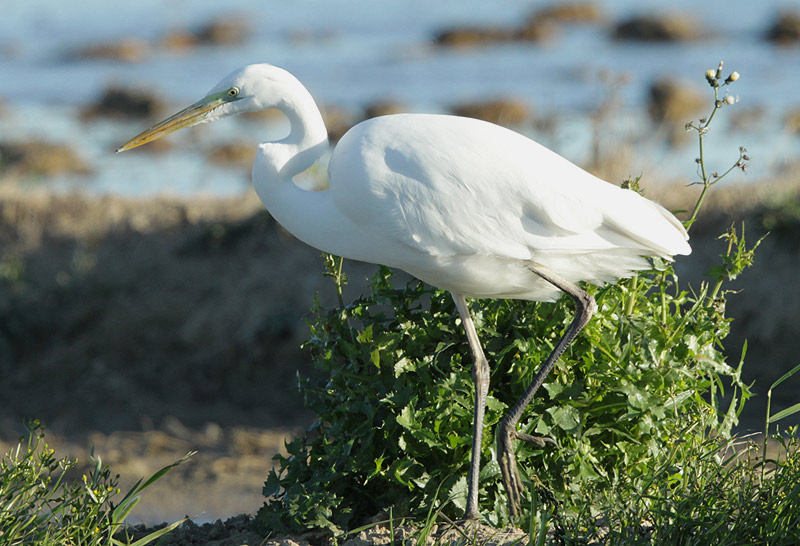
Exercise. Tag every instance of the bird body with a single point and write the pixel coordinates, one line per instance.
(462, 204)
(468, 216)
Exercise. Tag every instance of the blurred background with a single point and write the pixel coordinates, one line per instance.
(148, 304)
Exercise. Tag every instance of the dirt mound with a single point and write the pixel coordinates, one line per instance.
(115, 314)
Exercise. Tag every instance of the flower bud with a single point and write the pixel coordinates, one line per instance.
(729, 99)
(710, 73)
(733, 77)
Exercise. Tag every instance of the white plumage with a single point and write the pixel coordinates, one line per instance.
(462, 204)
(466, 204)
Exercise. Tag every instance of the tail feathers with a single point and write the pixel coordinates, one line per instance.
(654, 230)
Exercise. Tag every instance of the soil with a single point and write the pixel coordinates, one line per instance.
(148, 328)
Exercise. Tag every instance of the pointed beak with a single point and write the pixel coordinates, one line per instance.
(187, 117)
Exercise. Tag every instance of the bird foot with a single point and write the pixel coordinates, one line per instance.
(538, 441)
(508, 463)
(508, 468)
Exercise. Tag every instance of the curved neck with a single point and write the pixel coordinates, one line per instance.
(311, 216)
(307, 138)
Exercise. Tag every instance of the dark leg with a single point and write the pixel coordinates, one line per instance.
(480, 375)
(507, 431)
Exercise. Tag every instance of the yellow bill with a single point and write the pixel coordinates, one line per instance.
(187, 117)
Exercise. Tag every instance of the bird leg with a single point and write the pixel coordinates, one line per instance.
(480, 375)
(507, 431)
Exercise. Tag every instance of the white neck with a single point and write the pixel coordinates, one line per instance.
(304, 145)
(311, 216)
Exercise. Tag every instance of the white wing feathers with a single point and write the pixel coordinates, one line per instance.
(454, 186)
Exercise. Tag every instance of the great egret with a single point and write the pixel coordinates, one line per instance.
(462, 204)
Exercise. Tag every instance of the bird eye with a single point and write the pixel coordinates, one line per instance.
(233, 91)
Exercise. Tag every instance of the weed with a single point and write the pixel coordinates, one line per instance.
(40, 505)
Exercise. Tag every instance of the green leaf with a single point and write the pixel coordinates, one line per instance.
(406, 418)
(791, 410)
(565, 417)
(785, 376)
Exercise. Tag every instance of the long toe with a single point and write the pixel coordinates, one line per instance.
(508, 468)
(538, 441)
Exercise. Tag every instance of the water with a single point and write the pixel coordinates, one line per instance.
(353, 52)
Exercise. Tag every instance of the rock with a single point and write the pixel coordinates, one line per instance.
(383, 108)
(534, 30)
(338, 121)
(237, 154)
(179, 40)
(272, 115)
(658, 28)
(793, 121)
(785, 30)
(120, 103)
(39, 158)
(673, 104)
(570, 13)
(224, 31)
(469, 37)
(507, 112)
(128, 50)
(671, 101)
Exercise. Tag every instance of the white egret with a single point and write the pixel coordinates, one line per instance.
(462, 204)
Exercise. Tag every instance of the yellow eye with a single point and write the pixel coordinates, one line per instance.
(233, 91)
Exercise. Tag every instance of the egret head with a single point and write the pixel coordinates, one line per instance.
(253, 87)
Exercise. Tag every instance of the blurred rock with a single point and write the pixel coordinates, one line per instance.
(39, 158)
(236, 154)
(785, 30)
(793, 121)
(506, 112)
(120, 103)
(338, 121)
(658, 28)
(672, 104)
(383, 108)
(570, 13)
(673, 101)
(127, 50)
(469, 37)
(179, 40)
(534, 30)
(266, 116)
(225, 31)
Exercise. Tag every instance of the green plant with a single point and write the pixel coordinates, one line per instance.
(395, 393)
(705, 490)
(41, 505)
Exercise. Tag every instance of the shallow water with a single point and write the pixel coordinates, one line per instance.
(354, 52)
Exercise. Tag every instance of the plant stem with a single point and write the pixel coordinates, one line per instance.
(338, 279)
(702, 130)
(632, 295)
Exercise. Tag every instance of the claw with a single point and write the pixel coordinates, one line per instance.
(508, 468)
(538, 441)
(508, 463)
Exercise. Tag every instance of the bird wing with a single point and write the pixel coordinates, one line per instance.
(449, 186)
